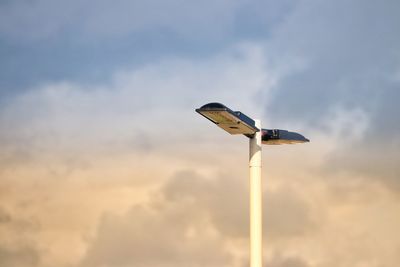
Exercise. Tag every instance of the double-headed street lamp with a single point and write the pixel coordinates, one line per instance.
(235, 122)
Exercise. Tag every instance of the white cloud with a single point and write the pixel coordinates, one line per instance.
(155, 100)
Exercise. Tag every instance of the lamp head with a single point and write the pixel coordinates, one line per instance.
(281, 137)
(234, 122)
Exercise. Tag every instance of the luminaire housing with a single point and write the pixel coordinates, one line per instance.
(234, 122)
(281, 137)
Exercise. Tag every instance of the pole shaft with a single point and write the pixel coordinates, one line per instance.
(255, 199)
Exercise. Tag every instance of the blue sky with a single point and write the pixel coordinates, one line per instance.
(99, 138)
(81, 41)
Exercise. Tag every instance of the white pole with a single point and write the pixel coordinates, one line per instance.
(255, 199)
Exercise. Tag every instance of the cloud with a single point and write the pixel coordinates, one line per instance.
(191, 221)
(4, 216)
(161, 237)
(342, 57)
(227, 198)
(163, 233)
(65, 116)
(338, 56)
(278, 260)
(74, 151)
(20, 257)
(16, 249)
(373, 161)
(41, 19)
(204, 22)
(344, 60)
(87, 41)
(104, 148)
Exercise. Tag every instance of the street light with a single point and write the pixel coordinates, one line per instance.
(235, 122)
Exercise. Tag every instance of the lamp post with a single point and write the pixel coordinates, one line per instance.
(235, 122)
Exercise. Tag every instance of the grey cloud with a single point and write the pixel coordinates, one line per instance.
(155, 237)
(42, 19)
(348, 57)
(20, 252)
(279, 260)
(87, 41)
(375, 161)
(13, 154)
(16, 223)
(286, 214)
(226, 199)
(163, 233)
(5, 217)
(190, 19)
(173, 229)
(131, 114)
(349, 50)
(20, 257)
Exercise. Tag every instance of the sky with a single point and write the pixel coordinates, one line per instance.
(104, 163)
